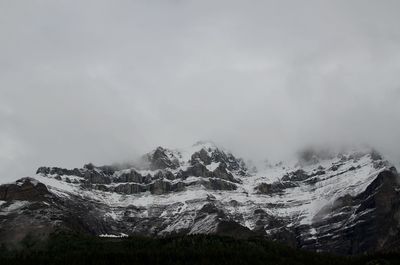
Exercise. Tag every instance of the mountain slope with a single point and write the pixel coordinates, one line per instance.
(343, 202)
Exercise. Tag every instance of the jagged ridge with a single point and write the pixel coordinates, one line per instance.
(339, 202)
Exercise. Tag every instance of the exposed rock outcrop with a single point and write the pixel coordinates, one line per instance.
(24, 189)
(374, 215)
(161, 159)
(132, 176)
(218, 184)
(276, 187)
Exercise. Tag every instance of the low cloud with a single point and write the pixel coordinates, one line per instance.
(102, 82)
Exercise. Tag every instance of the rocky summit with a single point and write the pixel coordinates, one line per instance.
(345, 202)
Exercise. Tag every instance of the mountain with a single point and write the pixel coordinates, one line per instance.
(344, 202)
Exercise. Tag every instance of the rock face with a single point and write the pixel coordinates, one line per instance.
(347, 202)
(161, 159)
(24, 189)
(218, 184)
(374, 214)
(132, 176)
(276, 187)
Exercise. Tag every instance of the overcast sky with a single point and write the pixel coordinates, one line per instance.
(103, 81)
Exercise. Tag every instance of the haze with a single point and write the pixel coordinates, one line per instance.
(105, 81)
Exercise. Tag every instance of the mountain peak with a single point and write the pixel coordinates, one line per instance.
(193, 190)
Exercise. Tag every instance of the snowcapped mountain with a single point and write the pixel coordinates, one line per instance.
(343, 202)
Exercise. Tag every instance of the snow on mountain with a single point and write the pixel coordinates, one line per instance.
(316, 200)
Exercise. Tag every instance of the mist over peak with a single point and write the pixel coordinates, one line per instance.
(106, 82)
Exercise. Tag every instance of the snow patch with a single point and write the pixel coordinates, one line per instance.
(122, 235)
(213, 166)
(15, 206)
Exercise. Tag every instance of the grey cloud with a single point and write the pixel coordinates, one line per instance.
(104, 81)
